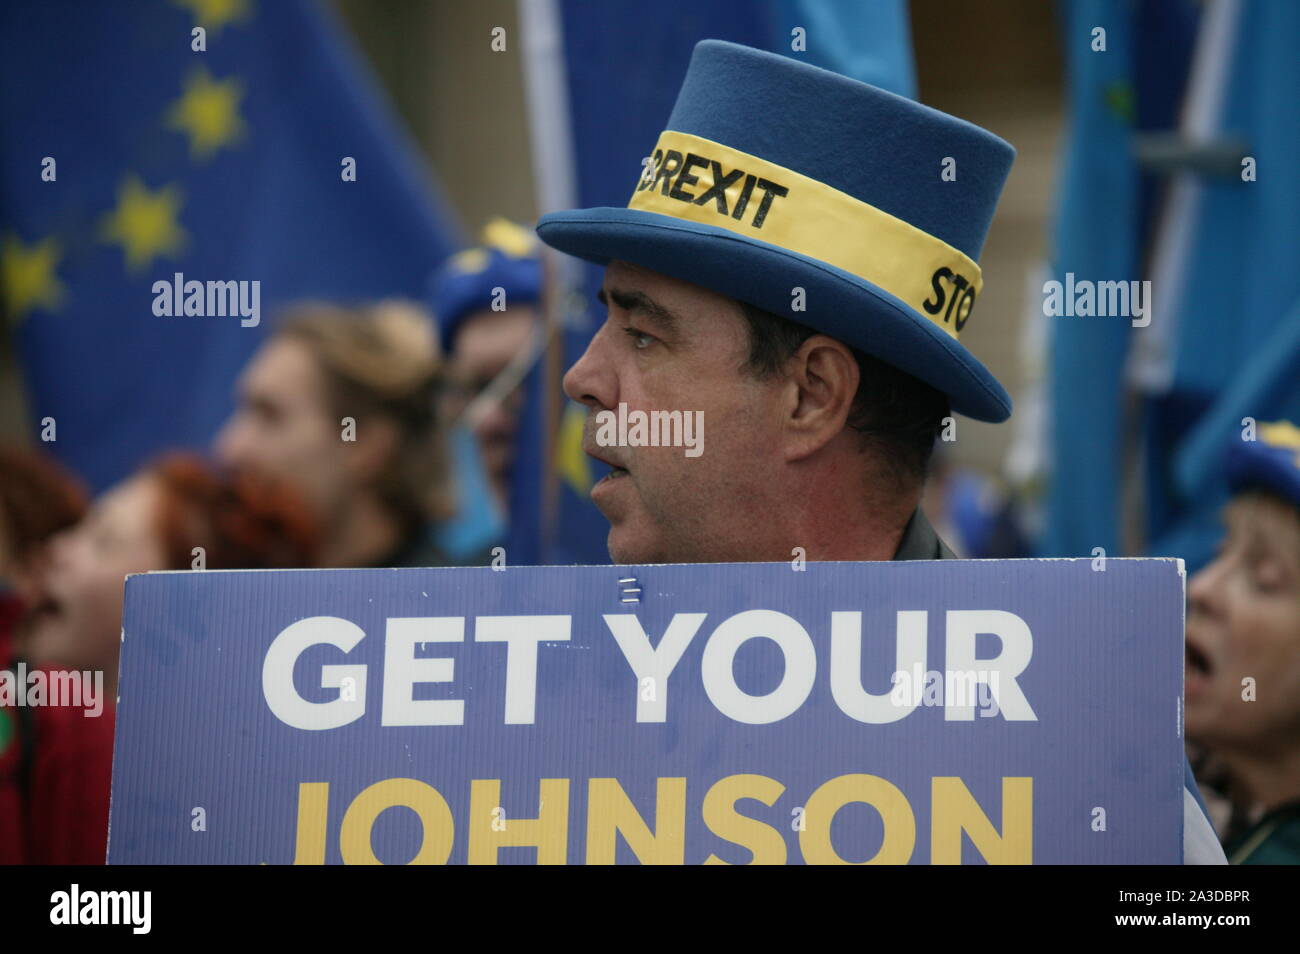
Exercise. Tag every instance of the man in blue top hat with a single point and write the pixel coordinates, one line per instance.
(797, 262)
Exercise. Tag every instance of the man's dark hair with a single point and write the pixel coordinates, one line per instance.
(896, 414)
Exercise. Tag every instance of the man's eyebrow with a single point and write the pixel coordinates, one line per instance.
(640, 302)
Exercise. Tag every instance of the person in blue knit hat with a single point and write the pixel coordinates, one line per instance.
(794, 269)
(487, 304)
(1243, 650)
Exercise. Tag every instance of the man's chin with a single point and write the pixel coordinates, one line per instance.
(620, 552)
(629, 547)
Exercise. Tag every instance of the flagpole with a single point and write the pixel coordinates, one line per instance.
(1151, 364)
(551, 137)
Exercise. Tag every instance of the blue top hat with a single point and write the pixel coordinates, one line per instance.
(1271, 461)
(775, 175)
(468, 281)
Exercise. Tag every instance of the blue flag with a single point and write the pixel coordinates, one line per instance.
(1232, 288)
(1093, 241)
(144, 147)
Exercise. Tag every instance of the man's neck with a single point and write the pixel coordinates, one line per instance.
(840, 519)
(852, 537)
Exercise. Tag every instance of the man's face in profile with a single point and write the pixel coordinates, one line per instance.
(668, 345)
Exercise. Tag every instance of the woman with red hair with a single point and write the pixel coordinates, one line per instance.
(180, 513)
(38, 499)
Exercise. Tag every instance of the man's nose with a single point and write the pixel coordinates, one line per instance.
(592, 380)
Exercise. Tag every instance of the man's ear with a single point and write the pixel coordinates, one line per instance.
(823, 378)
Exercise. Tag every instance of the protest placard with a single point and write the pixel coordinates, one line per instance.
(925, 712)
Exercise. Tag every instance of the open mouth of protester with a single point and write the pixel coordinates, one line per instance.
(614, 474)
(1197, 662)
(46, 608)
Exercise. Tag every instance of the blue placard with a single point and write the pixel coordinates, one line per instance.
(976, 711)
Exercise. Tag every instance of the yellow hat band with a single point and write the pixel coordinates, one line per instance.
(702, 181)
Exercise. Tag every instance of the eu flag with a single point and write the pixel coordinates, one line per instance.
(224, 140)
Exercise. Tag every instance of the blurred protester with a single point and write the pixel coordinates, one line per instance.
(56, 759)
(38, 498)
(179, 513)
(486, 301)
(976, 515)
(343, 401)
(1243, 652)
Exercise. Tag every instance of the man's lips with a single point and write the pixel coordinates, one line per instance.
(592, 452)
(616, 474)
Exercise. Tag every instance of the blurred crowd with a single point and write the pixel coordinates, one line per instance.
(373, 435)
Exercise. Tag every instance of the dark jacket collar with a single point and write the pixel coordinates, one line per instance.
(920, 542)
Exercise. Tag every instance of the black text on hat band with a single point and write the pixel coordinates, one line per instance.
(706, 182)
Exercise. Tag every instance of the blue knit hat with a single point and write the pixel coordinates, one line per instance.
(1271, 461)
(467, 282)
(775, 175)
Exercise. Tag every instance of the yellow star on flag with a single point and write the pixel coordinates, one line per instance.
(212, 15)
(570, 460)
(27, 276)
(208, 112)
(144, 223)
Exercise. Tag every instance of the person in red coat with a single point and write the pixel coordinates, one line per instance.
(65, 775)
(56, 760)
